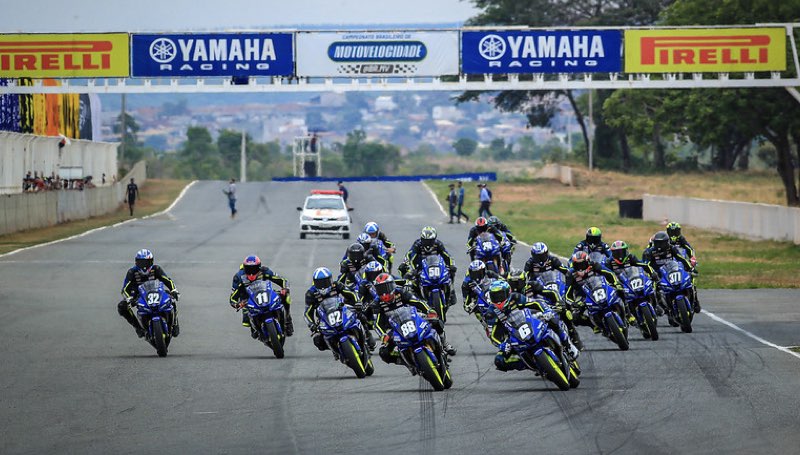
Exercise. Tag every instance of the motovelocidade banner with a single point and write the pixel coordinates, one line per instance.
(541, 51)
(719, 50)
(64, 55)
(214, 54)
(382, 54)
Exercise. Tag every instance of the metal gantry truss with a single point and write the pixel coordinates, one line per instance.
(487, 82)
(302, 153)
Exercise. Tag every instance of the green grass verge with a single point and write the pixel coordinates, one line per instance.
(155, 196)
(549, 212)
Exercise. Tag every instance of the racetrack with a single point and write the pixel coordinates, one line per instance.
(77, 380)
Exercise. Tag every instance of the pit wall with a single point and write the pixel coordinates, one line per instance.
(19, 212)
(755, 221)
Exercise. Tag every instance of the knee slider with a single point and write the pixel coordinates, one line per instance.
(500, 362)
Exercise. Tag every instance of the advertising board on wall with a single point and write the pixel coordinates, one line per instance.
(383, 54)
(215, 54)
(64, 55)
(541, 51)
(705, 50)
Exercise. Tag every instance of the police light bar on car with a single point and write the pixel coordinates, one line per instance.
(326, 192)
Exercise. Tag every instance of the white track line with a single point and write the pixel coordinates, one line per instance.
(433, 195)
(751, 335)
(91, 231)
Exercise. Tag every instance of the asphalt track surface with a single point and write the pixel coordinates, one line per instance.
(75, 379)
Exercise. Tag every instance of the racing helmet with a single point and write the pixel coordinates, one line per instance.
(619, 251)
(372, 229)
(661, 241)
(493, 221)
(322, 279)
(428, 236)
(516, 280)
(364, 239)
(593, 236)
(674, 231)
(476, 270)
(372, 270)
(481, 224)
(355, 253)
(499, 292)
(144, 260)
(540, 253)
(580, 262)
(251, 266)
(384, 287)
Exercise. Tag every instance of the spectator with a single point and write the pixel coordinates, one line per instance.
(461, 203)
(344, 191)
(452, 201)
(485, 198)
(104, 178)
(230, 191)
(314, 140)
(133, 193)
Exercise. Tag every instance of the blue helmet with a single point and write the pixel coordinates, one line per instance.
(364, 239)
(322, 278)
(372, 229)
(372, 270)
(144, 260)
(477, 270)
(540, 253)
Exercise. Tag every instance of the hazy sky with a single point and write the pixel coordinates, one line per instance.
(182, 15)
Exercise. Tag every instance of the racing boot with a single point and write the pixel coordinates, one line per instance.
(370, 340)
(245, 319)
(140, 332)
(176, 328)
(448, 348)
(695, 301)
(289, 325)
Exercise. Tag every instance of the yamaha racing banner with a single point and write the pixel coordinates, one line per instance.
(388, 54)
(216, 54)
(541, 51)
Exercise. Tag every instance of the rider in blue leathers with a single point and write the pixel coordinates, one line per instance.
(144, 270)
(251, 270)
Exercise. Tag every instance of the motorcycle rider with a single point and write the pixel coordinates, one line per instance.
(374, 231)
(426, 245)
(476, 279)
(481, 226)
(593, 242)
(516, 279)
(621, 259)
(324, 287)
(390, 297)
(252, 270)
(677, 239)
(143, 270)
(661, 252)
(356, 258)
(503, 302)
(372, 249)
(582, 269)
(542, 261)
(502, 229)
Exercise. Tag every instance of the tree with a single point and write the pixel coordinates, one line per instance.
(368, 158)
(465, 146)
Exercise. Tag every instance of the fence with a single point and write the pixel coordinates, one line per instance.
(19, 212)
(468, 177)
(758, 221)
(21, 153)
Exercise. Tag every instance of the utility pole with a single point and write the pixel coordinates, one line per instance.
(243, 160)
(123, 129)
(591, 131)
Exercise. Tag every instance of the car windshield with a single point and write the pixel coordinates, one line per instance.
(329, 203)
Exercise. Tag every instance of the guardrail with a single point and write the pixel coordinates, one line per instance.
(467, 177)
(756, 221)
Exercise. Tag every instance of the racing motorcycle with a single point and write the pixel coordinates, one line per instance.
(156, 314)
(556, 284)
(267, 316)
(540, 348)
(640, 296)
(488, 250)
(420, 347)
(676, 285)
(344, 335)
(606, 310)
(435, 283)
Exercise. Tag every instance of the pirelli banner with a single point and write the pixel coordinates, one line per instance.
(717, 50)
(387, 54)
(64, 55)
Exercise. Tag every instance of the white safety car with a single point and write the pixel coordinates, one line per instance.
(324, 212)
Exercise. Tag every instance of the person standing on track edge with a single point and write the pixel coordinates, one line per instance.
(459, 211)
(133, 193)
(344, 192)
(452, 200)
(485, 198)
(230, 191)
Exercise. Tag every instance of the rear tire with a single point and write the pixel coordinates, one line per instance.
(616, 333)
(274, 340)
(684, 315)
(353, 359)
(159, 339)
(429, 371)
(649, 323)
(370, 368)
(551, 370)
(574, 379)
